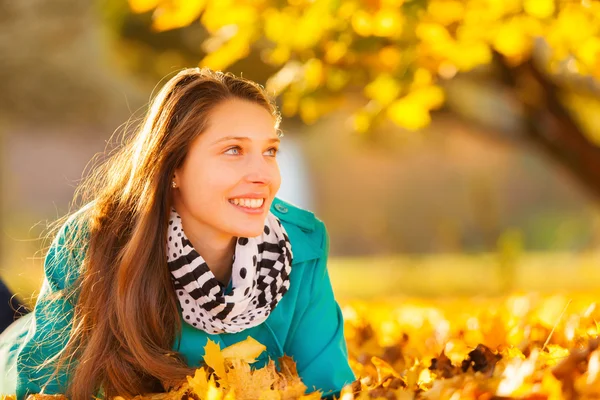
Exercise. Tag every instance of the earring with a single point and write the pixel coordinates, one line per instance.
(174, 184)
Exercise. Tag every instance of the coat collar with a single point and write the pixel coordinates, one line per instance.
(300, 226)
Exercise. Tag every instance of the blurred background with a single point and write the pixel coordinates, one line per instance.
(451, 147)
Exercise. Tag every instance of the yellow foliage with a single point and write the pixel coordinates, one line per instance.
(387, 22)
(382, 41)
(384, 89)
(242, 15)
(446, 12)
(390, 58)
(430, 97)
(409, 115)
(141, 6)
(214, 393)
(176, 14)
(309, 110)
(198, 383)
(214, 358)
(246, 350)
(335, 51)
(233, 50)
(420, 363)
(539, 8)
(361, 121)
(277, 25)
(313, 74)
(362, 23)
(514, 38)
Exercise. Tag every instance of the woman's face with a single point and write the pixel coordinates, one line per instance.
(230, 175)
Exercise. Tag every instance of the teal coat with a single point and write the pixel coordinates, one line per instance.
(306, 324)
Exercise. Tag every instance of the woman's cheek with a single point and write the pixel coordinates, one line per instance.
(276, 179)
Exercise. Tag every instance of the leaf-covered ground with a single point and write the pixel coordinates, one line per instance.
(517, 347)
(521, 346)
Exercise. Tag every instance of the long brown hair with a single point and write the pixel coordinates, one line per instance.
(126, 315)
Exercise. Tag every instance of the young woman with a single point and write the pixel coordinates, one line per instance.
(181, 239)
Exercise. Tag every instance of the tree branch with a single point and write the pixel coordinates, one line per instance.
(549, 125)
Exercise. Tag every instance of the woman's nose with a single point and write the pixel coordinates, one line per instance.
(260, 169)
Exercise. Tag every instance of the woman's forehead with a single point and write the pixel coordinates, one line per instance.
(239, 118)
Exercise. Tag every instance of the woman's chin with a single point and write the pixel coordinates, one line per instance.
(248, 230)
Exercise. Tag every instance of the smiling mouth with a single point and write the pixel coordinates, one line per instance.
(248, 203)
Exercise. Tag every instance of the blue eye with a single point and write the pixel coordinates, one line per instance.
(236, 148)
(274, 151)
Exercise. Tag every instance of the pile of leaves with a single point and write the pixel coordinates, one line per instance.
(530, 347)
(228, 376)
(516, 347)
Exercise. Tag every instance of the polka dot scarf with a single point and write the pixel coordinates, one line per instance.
(260, 278)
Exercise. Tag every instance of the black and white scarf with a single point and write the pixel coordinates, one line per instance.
(260, 278)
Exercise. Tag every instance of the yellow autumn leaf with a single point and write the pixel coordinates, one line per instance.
(214, 392)
(362, 23)
(512, 41)
(551, 386)
(433, 33)
(429, 97)
(390, 57)
(199, 382)
(313, 396)
(446, 11)
(291, 103)
(214, 358)
(176, 14)
(235, 49)
(384, 370)
(554, 354)
(470, 54)
(384, 89)
(277, 24)
(310, 27)
(539, 8)
(141, 6)
(421, 77)
(361, 121)
(248, 383)
(313, 74)
(337, 78)
(247, 350)
(387, 22)
(334, 51)
(270, 395)
(408, 114)
(589, 52)
(289, 385)
(230, 394)
(309, 110)
(513, 352)
(277, 55)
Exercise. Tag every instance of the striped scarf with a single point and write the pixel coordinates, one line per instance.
(260, 278)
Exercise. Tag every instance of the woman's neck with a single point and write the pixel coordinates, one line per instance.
(216, 248)
(217, 254)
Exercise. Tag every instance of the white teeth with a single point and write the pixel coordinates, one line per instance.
(250, 203)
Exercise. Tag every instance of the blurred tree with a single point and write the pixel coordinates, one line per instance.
(55, 78)
(401, 57)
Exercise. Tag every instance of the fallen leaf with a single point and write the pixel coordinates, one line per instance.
(247, 350)
(443, 366)
(214, 359)
(482, 359)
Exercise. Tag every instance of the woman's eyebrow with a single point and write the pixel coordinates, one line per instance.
(244, 139)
